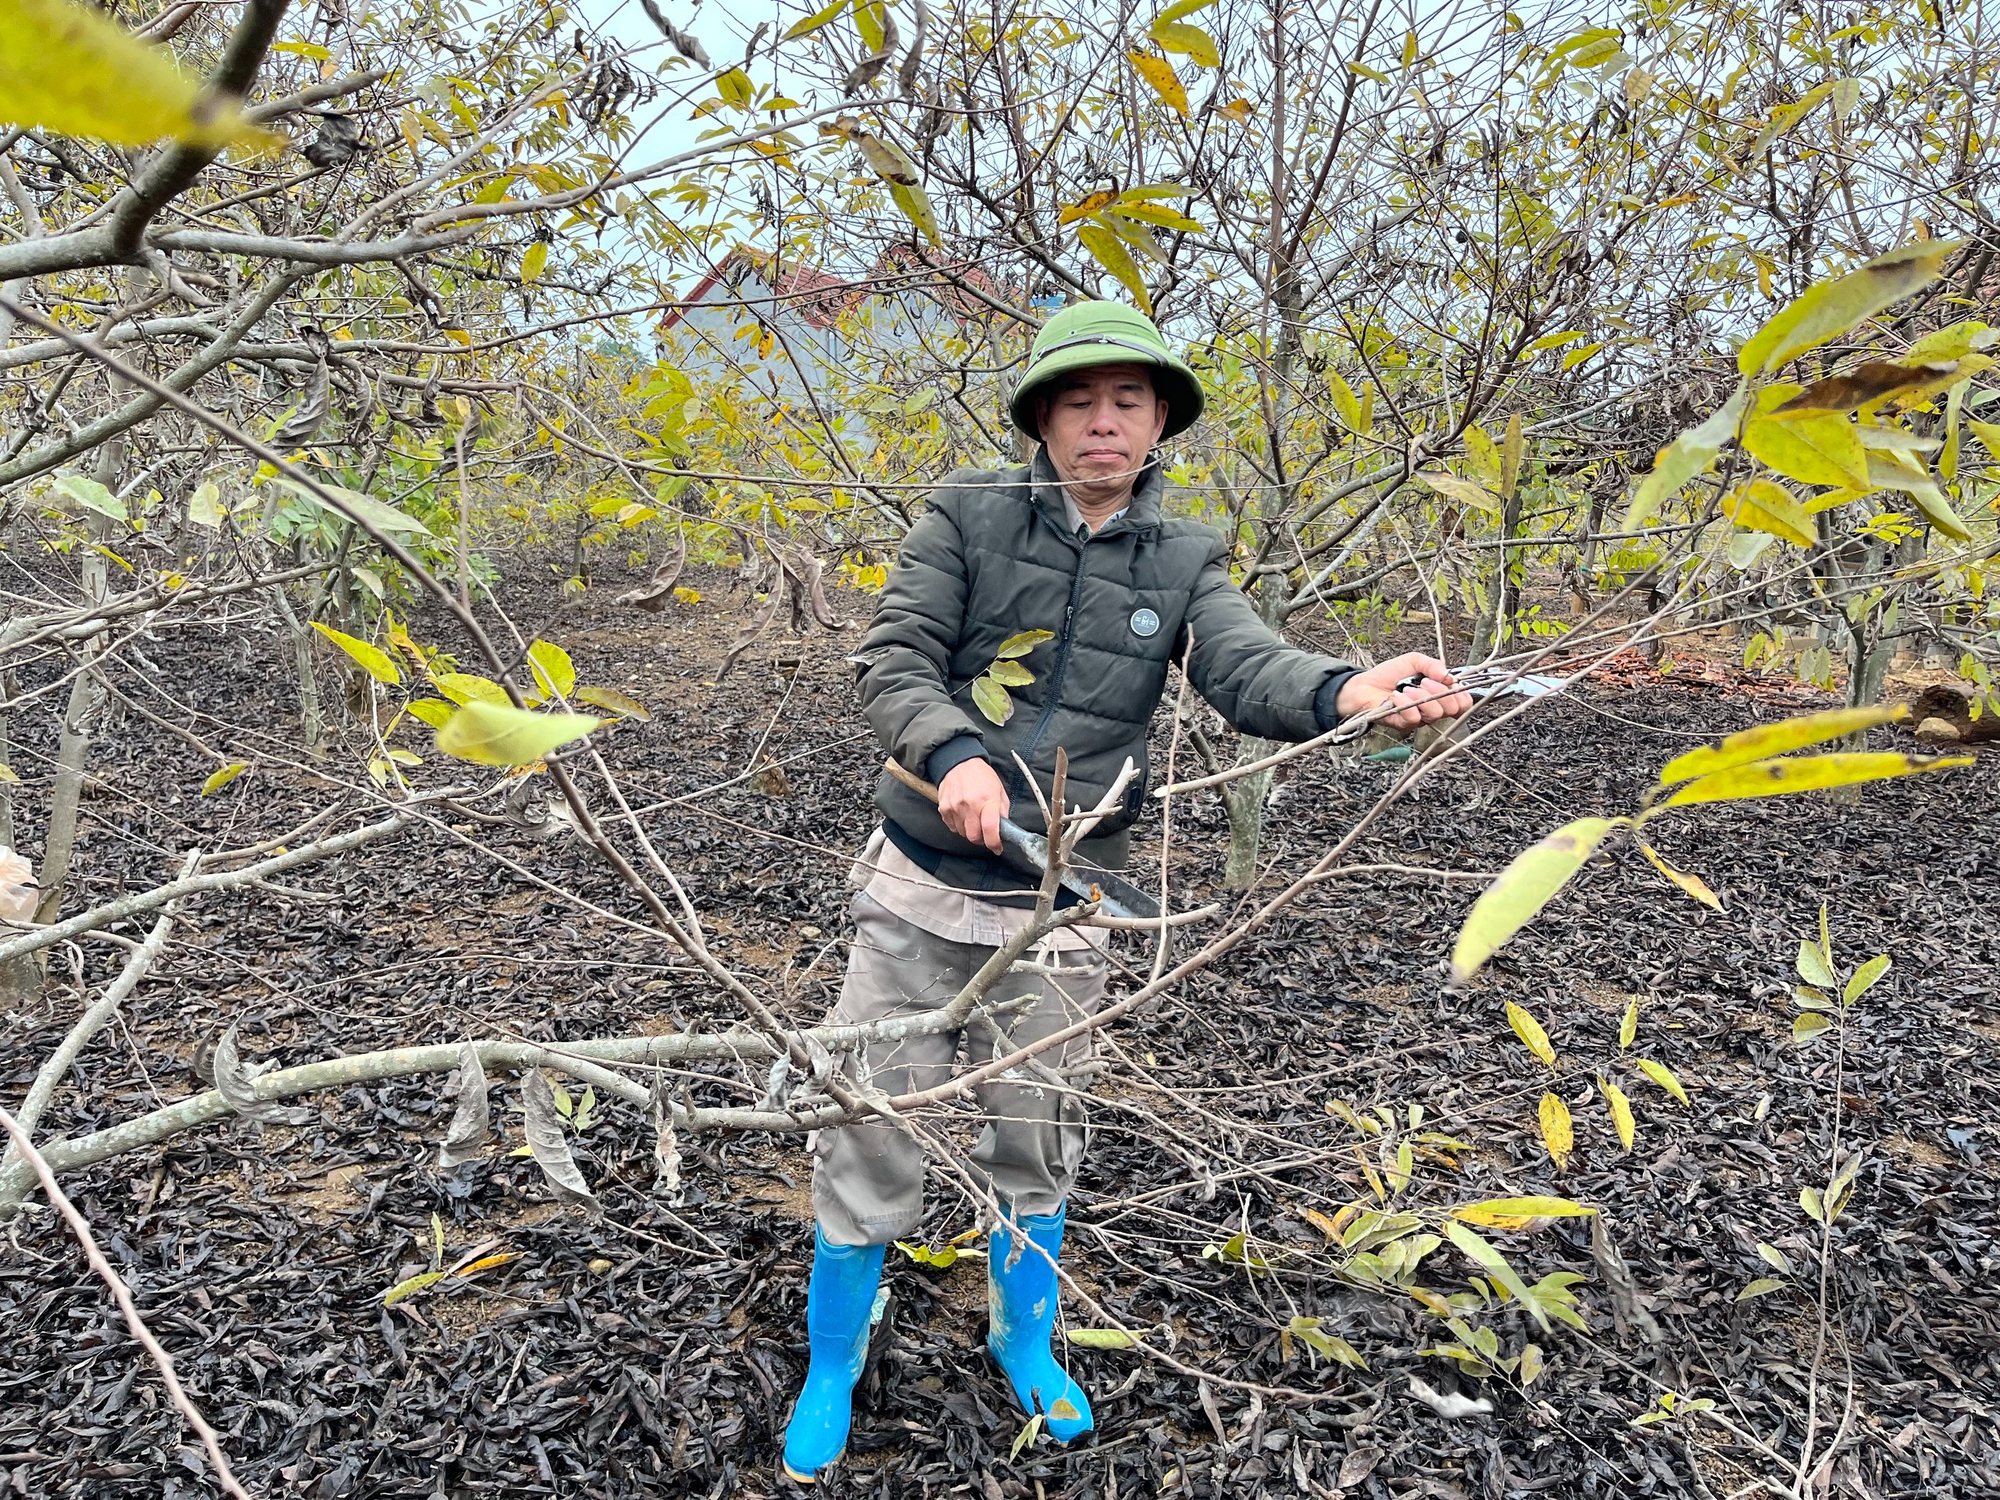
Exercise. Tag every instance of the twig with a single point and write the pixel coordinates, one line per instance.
(81, 1227)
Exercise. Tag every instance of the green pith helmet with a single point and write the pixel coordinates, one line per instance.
(1105, 333)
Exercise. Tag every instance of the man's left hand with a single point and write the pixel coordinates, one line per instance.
(1426, 702)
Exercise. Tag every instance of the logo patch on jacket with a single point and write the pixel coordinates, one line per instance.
(1145, 622)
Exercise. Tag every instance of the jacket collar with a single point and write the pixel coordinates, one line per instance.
(1143, 513)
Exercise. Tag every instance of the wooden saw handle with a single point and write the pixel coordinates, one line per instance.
(911, 779)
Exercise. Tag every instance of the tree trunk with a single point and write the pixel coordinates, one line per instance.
(72, 750)
(312, 721)
(20, 978)
(1243, 800)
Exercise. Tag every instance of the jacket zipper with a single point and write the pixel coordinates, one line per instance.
(1062, 655)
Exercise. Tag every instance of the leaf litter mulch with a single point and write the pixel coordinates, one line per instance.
(655, 1352)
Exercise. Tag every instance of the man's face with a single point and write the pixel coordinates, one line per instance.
(1099, 424)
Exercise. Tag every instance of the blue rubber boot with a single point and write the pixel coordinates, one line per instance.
(1023, 1298)
(839, 1302)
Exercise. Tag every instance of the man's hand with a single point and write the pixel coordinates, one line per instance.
(973, 802)
(1426, 702)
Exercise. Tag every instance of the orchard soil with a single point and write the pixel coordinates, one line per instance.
(655, 1351)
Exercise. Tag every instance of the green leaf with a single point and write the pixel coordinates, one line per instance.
(365, 508)
(1767, 740)
(411, 1287)
(1809, 1200)
(1812, 966)
(1663, 1075)
(624, 705)
(1527, 885)
(1864, 978)
(1495, 1264)
(373, 660)
(220, 779)
(992, 700)
(554, 673)
(1022, 642)
(1177, 36)
(533, 259)
(1101, 1338)
(1831, 308)
(915, 204)
(90, 494)
(1763, 505)
(67, 68)
(1808, 1027)
(1331, 1346)
(1812, 450)
(1692, 453)
(490, 734)
(1109, 251)
(433, 711)
(1807, 773)
(1762, 1286)
(1529, 1030)
(1180, 10)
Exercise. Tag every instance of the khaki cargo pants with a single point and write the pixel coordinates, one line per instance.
(868, 1178)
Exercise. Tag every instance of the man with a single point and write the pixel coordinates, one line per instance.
(1075, 544)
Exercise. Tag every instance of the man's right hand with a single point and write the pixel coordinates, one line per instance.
(973, 801)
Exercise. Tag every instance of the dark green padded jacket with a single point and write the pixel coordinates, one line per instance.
(994, 555)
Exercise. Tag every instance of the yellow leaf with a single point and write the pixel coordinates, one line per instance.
(554, 673)
(1557, 1132)
(1512, 449)
(614, 702)
(67, 68)
(1663, 1075)
(1177, 36)
(1021, 643)
(1694, 885)
(1518, 1213)
(1091, 203)
(1807, 773)
(492, 734)
(1528, 884)
(458, 336)
(1462, 490)
(1628, 1028)
(1831, 308)
(1812, 450)
(1159, 73)
(1988, 434)
(1344, 401)
(373, 660)
(1762, 505)
(533, 259)
(1109, 251)
(1766, 740)
(1529, 1030)
(222, 778)
(1621, 1113)
(463, 688)
(433, 711)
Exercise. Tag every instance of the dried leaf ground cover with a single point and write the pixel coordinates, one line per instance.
(655, 1352)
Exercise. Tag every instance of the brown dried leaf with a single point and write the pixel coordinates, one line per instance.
(471, 1120)
(549, 1146)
